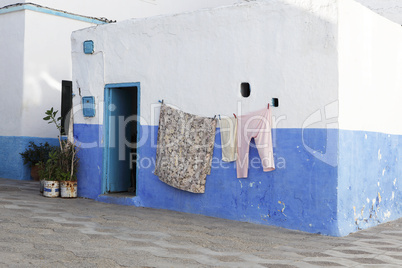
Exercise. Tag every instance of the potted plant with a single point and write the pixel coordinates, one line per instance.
(67, 161)
(49, 172)
(34, 154)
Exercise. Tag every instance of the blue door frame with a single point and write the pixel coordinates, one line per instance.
(107, 114)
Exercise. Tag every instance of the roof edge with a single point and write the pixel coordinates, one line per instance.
(52, 11)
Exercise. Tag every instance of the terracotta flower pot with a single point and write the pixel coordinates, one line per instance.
(35, 172)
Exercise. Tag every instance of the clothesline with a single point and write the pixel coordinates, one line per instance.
(179, 147)
(275, 103)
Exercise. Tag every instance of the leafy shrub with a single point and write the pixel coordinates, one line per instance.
(36, 153)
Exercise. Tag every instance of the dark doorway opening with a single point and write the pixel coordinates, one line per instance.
(121, 136)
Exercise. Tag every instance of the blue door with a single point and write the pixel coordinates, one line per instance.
(121, 109)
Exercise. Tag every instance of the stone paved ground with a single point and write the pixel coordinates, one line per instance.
(41, 232)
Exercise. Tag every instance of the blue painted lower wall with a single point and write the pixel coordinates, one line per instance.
(303, 193)
(370, 179)
(292, 196)
(11, 164)
(300, 194)
(89, 138)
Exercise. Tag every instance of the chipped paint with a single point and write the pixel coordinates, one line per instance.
(387, 214)
(68, 189)
(251, 184)
(51, 189)
(373, 177)
(283, 209)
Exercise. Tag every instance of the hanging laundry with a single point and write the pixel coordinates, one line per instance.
(228, 129)
(184, 150)
(255, 125)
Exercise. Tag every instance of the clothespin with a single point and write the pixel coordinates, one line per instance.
(161, 101)
(214, 117)
(234, 115)
(268, 105)
(219, 117)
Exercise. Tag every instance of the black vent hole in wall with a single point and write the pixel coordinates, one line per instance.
(245, 90)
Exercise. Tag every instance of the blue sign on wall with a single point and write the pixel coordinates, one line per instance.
(89, 47)
(88, 104)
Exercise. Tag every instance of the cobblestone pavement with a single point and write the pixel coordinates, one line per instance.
(36, 231)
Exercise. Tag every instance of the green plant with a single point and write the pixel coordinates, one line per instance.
(66, 158)
(68, 162)
(51, 118)
(48, 170)
(36, 153)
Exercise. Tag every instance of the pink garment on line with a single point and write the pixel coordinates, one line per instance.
(255, 125)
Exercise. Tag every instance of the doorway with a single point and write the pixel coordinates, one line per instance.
(121, 136)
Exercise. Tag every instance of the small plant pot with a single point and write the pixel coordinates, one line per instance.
(35, 173)
(41, 186)
(68, 189)
(51, 189)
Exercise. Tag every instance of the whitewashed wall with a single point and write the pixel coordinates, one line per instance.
(391, 9)
(11, 72)
(370, 64)
(47, 61)
(285, 49)
(35, 57)
(122, 9)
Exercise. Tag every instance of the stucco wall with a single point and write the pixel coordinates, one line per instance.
(11, 88)
(370, 64)
(196, 62)
(390, 9)
(47, 62)
(122, 9)
(11, 71)
(283, 50)
(35, 56)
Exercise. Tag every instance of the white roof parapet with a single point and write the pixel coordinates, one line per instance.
(52, 11)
